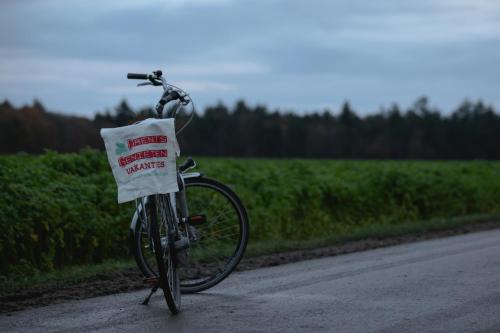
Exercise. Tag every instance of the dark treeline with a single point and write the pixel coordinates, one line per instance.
(419, 132)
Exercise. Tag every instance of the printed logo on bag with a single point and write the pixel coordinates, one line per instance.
(120, 149)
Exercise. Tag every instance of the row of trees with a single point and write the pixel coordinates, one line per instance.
(419, 132)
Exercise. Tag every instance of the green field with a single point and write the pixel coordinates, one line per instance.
(58, 210)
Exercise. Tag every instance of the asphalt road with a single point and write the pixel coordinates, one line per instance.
(444, 285)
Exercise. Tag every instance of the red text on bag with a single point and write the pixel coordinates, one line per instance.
(144, 140)
(124, 160)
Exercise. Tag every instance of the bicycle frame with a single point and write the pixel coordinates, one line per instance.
(179, 200)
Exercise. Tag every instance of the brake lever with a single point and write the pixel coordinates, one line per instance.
(154, 81)
(151, 82)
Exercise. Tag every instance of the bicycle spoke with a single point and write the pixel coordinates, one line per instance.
(223, 229)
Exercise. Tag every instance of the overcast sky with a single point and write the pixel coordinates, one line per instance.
(73, 55)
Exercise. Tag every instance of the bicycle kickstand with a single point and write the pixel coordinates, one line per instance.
(153, 290)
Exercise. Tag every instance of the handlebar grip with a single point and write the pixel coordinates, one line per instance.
(133, 76)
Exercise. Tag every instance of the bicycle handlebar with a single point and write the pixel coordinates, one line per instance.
(133, 76)
(169, 94)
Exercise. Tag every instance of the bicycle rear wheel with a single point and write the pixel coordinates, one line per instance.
(163, 235)
(221, 242)
(221, 239)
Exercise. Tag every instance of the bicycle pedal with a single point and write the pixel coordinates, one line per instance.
(196, 219)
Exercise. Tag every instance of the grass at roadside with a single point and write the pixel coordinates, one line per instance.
(369, 231)
(75, 274)
(62, 277)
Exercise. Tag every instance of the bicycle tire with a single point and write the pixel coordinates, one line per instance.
(169, 293)
(232, 261)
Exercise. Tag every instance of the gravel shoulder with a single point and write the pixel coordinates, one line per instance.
(131, 279)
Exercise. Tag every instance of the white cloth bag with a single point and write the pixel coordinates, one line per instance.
(142, 158)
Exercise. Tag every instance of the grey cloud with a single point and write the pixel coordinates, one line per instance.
(371, 52)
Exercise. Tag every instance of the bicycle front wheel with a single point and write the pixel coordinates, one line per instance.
(163, 234)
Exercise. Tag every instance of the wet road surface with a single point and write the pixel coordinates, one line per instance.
(444, 285)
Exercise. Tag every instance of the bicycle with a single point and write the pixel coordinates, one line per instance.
(198, 250)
